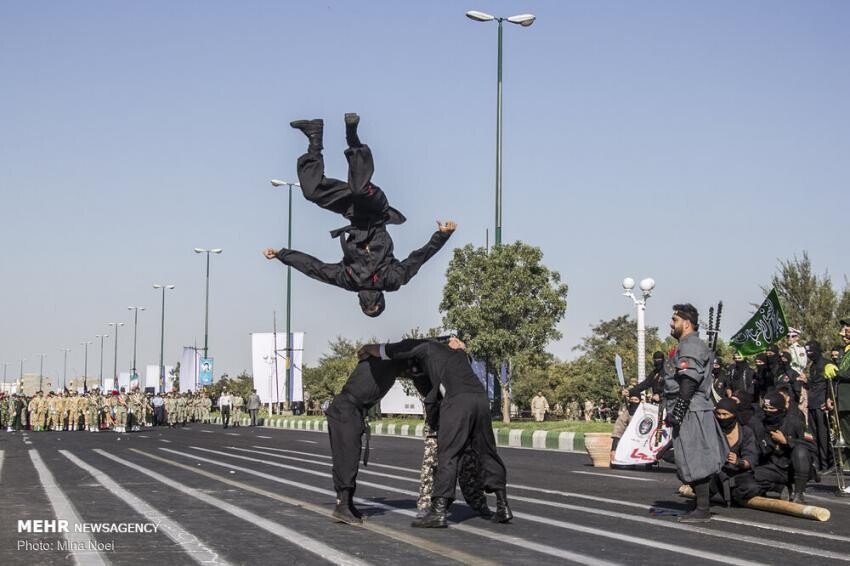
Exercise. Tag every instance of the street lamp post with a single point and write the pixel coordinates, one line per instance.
(162, 337)
(65, 371)
(86, 365)
(100, 376)
(289, 347)
(207, 296)
(115, 325)
(5, 367)
(135, 334)
(41, 370)
(523, 20)
(646, 286)
(21, 378)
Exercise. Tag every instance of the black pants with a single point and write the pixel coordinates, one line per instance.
(253, 413)
(773, 477)
(465, 421)
(159, 415)
(356, 198)
(225, 416)
(819, 425)
(742, 486)
(345, 429)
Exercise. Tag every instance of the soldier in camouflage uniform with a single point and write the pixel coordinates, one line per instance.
(4, 411)
(91, 411)
(108, 410)
(207, 408)
(171, 409)
(54, 411)
(181, 409)
(238, 403)
(120, 410)
(38, 409)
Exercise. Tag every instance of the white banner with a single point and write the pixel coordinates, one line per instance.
(397, 402)
(271, 387)
(124, 381)
(638, 444)
(152, 377)
(189, 369)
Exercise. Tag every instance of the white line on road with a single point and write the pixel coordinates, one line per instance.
(232, 434)
(164, 440)
(64, 510)
(207, 431)
(260, 436)
(144, 436)
(1, 466)
(294, 537)
(309, 441)
(500, 537)
(196, 550)
(613, 476)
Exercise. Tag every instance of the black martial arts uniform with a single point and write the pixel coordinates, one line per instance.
(738, 477)
(464, 421)
(367, 385)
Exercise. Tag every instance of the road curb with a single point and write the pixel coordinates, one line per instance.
(514, 438)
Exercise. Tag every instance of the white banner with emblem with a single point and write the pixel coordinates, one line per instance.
(639, 444)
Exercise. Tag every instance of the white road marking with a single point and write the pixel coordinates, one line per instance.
(1, 466)
(207, 431)
(294, 537)
(196, 550)
(64, 510)
(144, 436)
(232, 434)
(260, 436)
(515, 541)
(309, 441)
(613, 476)
(164, 440)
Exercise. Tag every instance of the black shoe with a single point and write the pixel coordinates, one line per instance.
(351, 119)
(436, 517)
(696, 516)
(313, 129)
(483, 510)
(351, 122)
(503, 511)
(800, 498)
(344, 515)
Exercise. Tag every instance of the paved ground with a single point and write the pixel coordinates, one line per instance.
(263, 496)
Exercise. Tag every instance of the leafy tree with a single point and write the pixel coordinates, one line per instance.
(241, 385)
(809, 300)
(326, 380)
(503, 304)
(593, 375)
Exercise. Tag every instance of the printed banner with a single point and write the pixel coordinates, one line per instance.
(638, 444)
(765, 328)
(276, 367)
(205, 373)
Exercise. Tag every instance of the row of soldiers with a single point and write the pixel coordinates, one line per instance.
(94, 411)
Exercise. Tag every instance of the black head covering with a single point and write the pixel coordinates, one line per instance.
(658, 356)
(728, 404)
(776, 400)
(370, 299)
(813, 350)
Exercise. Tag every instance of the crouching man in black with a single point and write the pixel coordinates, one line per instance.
(785, 453)
(735, 479)
(464, 421)
(367, 385)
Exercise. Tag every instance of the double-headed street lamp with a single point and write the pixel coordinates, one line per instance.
(135, 333)
(116, 326)
(162, 337)
(523, 20)
(289, 347)
(646, 286)
(207, 295)
(102, 337)
(65, 371)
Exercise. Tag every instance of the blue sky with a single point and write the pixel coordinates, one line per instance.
(697, 143)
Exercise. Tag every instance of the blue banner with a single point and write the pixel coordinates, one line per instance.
(205, 371)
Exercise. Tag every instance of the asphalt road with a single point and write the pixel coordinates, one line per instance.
(202, 494)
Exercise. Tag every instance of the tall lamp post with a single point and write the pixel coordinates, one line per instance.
(65, 371)
(100, 376)
(523, 20)
(41, 370)
(21, 378)
(162, 337)
(116, 326)
(207, 295)
(135, 335)
(86, 365)
(289, 354)
(5, 367)
(646, 287)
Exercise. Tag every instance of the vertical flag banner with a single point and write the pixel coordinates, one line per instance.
(766, 327)
(189, 367)
(272, 387)
(205, 373)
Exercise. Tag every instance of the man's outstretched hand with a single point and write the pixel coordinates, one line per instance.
(447, 227)
(369, 351)
(270, 253)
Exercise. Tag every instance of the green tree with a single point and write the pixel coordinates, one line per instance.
(241, 385)
(327, 378)
(503, 304)
(809, 300)
(593, 375)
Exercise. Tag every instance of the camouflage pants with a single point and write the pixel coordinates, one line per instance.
(469, 475)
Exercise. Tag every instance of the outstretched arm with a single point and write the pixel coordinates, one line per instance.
(400, 273)
(330, 273)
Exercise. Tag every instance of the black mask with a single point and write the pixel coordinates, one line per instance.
(772, 421)
(727, 425)
(658, 364)
(632, 408)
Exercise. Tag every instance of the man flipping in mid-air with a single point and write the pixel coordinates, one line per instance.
(368, 265)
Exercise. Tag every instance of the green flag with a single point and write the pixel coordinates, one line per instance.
(765, 328)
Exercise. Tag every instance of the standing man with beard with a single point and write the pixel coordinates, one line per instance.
(820, 403)
(699, 445)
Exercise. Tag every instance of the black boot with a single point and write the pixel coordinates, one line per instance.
(436, 517)
(351, 122)
(702, 513)
(354, 510)
(342, 512)
(503, 511)
(313, 129)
